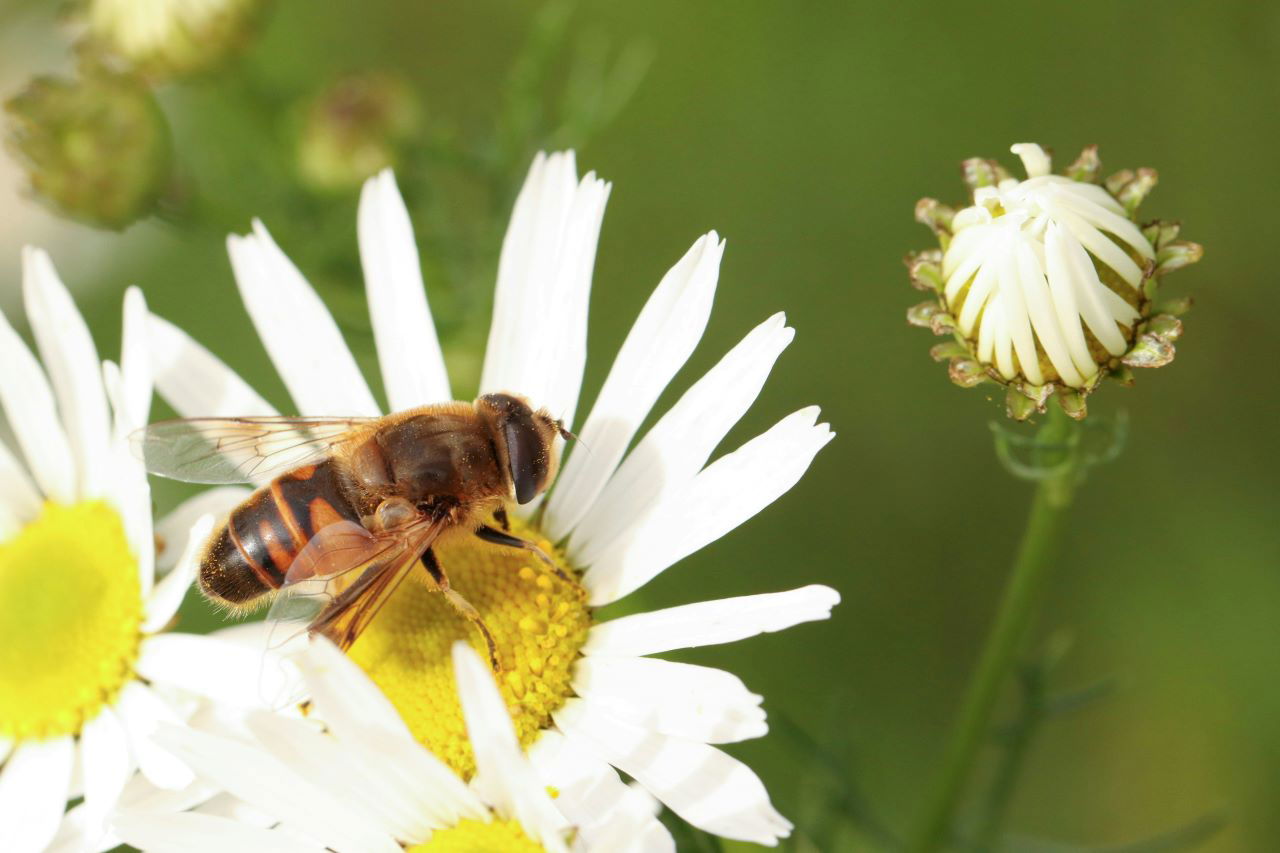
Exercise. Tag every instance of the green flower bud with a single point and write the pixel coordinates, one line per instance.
(166, 38)
(1048, 284)
(354, 129)
(95, 148)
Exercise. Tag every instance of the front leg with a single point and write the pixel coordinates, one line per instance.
(494, 536)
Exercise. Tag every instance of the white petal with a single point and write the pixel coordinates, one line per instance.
(706, 623)
(19, 500)
(677, 699)
(607, 813)
(975, 300)
(634, 827)
(350, 701)
(173, 530)
(358, 712)
(297, 330)
(1019, 322)
(75, 835)
(33, 417)
(679, 444)
(1058, 274)
(127, 488)
(1048, 326)
(413, 369)
(986, 330)
(364, 780)
(168, 594)
(726, 493)
(701, 784)
(1079, 269)
(662, 339)
(259, 778)
(198, 833)
(140, 795)
(33, 793)
(1103, 217)
(104, 750)
(226, 672)
(967, 247)
(68, 353)
(503, 777)
(194, 381)
(538, 337)
(142, 712)
(963, 265)
(1092, 239)
(1034, 159)
(135, 359)
(1002, 338)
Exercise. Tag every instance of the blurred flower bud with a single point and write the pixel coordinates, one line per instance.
(1047, 284)
(165, 38)
(355, 128)
(95, 148)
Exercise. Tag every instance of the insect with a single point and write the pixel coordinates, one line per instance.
(356, 504)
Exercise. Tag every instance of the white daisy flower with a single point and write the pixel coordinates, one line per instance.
(585, 695)
(86, 670)
(1048, 284)
(1027, 251)
(352, 778)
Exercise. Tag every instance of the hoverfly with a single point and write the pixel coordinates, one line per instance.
(357, 503)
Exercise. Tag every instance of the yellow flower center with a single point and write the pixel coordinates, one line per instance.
(70, 619)
(538, 623)
(473, 836)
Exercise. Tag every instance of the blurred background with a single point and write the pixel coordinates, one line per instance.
(804, 133)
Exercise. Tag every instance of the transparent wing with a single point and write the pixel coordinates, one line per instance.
(339, 581)
(237, 450)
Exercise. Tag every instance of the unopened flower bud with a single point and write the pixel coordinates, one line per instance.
(354, 129)
(96, 148)
(165, 38)
(1047, 284)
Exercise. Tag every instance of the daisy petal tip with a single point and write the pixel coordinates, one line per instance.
(809, 415)
(1034, 159)
(822, 598)
(467, 660)
(135, 301)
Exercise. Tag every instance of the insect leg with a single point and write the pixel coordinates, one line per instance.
(500, 516)
(460, 604)
(494, 536)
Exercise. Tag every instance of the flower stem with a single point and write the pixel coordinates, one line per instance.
(1017, 608)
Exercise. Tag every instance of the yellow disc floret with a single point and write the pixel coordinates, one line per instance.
(473, 836)
(71, 601)
(538, 623)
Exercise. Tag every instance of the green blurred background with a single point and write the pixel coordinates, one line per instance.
(804, 133)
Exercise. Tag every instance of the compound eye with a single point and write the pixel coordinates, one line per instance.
(527, 455)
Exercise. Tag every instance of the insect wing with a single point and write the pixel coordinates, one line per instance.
(238, 450)
(342, 577)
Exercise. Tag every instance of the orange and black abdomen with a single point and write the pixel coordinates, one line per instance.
(250, 556)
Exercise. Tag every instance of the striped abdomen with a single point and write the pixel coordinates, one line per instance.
(250, 556)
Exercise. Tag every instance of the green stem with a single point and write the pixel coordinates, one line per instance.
(1016, 746)
(1021, 596)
